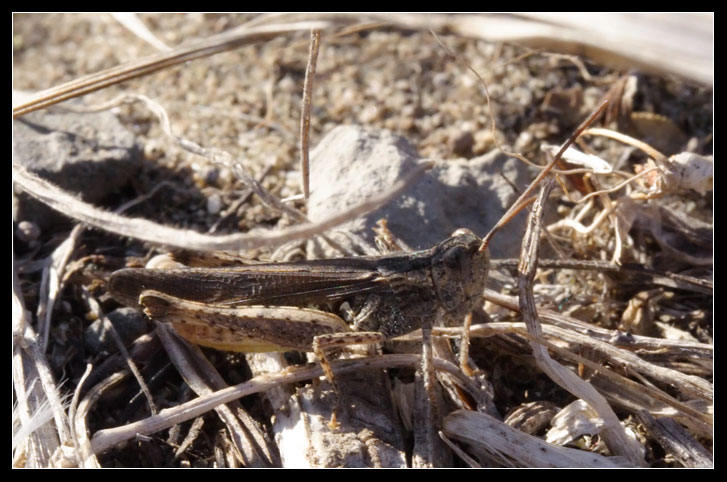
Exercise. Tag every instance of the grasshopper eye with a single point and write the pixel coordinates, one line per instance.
(455, 257)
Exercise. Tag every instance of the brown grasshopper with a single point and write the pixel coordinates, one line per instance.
(231, 308)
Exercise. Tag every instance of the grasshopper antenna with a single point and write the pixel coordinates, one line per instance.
(526, 198)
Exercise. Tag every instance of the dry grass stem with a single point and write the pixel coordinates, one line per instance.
(310, 73)
(107, 438)
(600, 131)
(191, 240)
(614, 435)
(203, 378)
(491, 435)
(35, 388)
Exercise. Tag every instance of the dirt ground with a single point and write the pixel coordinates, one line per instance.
(248, 101)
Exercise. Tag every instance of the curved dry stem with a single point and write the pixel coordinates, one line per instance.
(310, 73)
(105, 439)
(613, 433)
(628, 140)
(145, 230)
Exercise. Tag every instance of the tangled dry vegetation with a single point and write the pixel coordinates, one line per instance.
(606, 359)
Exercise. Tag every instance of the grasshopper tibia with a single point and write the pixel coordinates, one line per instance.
(321, 343)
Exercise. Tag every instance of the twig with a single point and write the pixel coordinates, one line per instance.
(613, 432)
(107, 438)
(517, 205)
(154, 233)
(310, 73)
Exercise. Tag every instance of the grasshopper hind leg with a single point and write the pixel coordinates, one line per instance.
(324, 343)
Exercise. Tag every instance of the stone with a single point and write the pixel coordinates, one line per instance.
(352, 163)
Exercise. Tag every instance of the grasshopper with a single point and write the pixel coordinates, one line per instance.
(231, 308)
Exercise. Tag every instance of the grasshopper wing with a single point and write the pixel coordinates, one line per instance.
(291, 284)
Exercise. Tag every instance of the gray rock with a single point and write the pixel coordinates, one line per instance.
(353, 163)
(91, 154)
(129, 324)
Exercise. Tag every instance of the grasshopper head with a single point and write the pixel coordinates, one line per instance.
(459, 272)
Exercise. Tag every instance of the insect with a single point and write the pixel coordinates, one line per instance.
(231, 308)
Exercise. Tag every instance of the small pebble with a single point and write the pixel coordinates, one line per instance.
(27, 231)
(129, 325)
(214, 204)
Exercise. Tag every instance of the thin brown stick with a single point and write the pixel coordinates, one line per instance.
(310, 73)
(525, 194)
